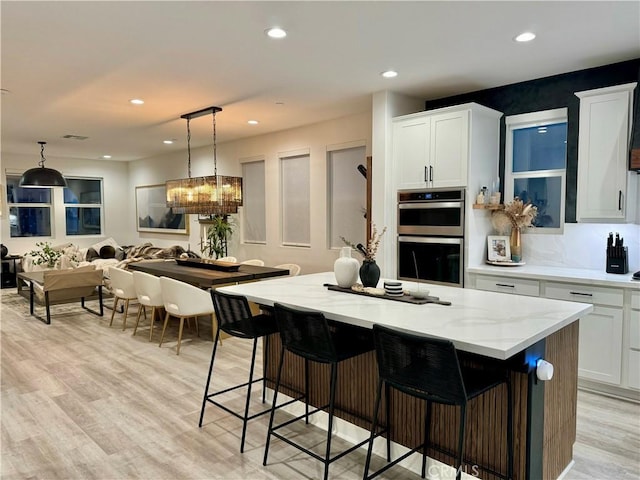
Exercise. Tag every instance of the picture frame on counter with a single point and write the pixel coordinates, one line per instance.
(498, 248)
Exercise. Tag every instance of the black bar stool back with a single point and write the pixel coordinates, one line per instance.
(429, 368)
(235, 318)
(307, 334)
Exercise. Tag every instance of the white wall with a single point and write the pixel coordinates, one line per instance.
(347, 131)
(115, 177)
(387, 105)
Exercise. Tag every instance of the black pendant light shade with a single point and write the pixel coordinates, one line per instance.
(42, 176)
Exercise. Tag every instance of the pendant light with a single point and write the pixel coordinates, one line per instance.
(209, 195)
(42, 176)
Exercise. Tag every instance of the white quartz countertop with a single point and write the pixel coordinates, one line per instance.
(560, 274)
(492, 324)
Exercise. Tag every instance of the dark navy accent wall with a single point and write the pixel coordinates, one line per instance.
(546, 93)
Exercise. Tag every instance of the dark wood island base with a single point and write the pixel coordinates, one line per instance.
(544, 412)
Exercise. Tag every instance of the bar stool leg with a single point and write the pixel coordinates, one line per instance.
(306, 391)
(206, 387)
(387, 396)
(427, 425)
(265, 349)
(374, 426)
(273, 407)
(463, 421)
(332, 399)
(246, 407)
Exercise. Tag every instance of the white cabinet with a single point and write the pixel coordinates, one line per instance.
(603, 148)
(600, 349)
(411, 136)
(519, 286)
(434, 148)
(633, 362)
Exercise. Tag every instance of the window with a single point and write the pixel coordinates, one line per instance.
(83, 206)
(29, 209)
(535, 163)
(254, 227)
(347, 196)
(296, 212)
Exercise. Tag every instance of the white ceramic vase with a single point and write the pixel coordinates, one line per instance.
(346, 268)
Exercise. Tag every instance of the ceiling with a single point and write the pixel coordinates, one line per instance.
(72, 67)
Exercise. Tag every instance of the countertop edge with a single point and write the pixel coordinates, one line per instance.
(568, 275)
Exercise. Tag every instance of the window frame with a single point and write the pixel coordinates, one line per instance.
(48, 206)
(99, 206)
(528, 120)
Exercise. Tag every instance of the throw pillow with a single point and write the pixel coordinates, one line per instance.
(92, 254)
(107, 252)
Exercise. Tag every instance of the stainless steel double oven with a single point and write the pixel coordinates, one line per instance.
(431, 235)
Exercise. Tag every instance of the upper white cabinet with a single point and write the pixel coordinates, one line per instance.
(435, 148)
(603, 149)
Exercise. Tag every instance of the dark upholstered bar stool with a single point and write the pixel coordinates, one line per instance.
(235, 318)
(307, 335)
(428, 368)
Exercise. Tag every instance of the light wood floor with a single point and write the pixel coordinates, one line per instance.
(80, 400)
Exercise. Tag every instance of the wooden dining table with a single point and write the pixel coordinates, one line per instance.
(204, 277)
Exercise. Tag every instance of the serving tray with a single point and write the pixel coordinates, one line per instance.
(209, 264)
(403, 298)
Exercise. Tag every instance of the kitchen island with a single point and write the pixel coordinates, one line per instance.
(490, 329)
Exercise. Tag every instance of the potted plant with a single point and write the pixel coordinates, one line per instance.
(47, 256)
(218, 231)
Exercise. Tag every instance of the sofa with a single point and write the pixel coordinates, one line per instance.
(103, 255)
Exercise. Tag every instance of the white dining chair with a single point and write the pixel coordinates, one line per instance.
(182, 300)
(254, 261)
(149, 293)
(294, 269)
(227, 259)
(122, 288)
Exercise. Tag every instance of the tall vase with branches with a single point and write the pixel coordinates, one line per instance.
(216, 235)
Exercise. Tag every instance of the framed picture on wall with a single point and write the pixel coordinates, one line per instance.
(153, 215)
(498, 248)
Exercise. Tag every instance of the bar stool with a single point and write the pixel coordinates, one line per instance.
(307, 335)
(428, 368)
(235, 318)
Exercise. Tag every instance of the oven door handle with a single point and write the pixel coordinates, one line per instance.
(429, 205)
(448, 241)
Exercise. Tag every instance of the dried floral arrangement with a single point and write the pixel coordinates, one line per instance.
(516, 214)
(369, 253)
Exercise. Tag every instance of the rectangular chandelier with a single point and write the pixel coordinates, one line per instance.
(212, 195)
(208, 195)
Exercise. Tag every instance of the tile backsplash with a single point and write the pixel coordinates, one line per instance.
(583, 245)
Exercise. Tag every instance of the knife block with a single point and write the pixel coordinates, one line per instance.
(618, 262)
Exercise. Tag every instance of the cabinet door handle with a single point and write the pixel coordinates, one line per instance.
(619, 199)
(582, 294)
(426, 178)
(430, 173)
(505, 285)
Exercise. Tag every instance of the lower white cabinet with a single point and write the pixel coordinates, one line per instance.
(609, 340)
(600, 350)
(633, 362)
(518, 286)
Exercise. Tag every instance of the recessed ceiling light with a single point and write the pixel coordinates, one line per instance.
(167, 142)
(136, 101)
(276, 32)
(253, 122)
(525, 37)
(389, 74)
(106, 157)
